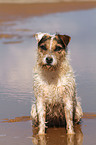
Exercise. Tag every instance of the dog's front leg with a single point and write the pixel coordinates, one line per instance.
(41, 115)
(69, 115)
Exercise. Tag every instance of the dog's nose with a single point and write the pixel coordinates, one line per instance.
(49, 60)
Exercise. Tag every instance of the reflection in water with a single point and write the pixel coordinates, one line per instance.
(58, 136)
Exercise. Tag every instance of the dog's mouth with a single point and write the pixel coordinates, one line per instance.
(49, 67)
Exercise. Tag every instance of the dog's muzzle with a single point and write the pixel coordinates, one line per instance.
(49, 60)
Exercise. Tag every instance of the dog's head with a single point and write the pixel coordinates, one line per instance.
(51, 49)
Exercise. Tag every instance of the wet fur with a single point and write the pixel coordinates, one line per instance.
(54, 85)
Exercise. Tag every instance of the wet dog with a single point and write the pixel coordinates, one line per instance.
(54, 85)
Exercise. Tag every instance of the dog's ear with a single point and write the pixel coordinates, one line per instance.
(39, 36)
(65, 38)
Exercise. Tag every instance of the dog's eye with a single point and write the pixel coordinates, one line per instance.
(58, 48)
(43, 47)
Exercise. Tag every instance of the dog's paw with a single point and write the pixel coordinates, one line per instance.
(41, 132)
(70, 131)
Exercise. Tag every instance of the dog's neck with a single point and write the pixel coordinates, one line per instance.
(52, 76)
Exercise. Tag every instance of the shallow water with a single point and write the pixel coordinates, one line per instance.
(17, 58)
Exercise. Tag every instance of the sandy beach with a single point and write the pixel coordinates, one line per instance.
(7, 11)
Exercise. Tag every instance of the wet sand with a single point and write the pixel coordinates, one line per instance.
(13, 11)
(17, 131)
(27, 118)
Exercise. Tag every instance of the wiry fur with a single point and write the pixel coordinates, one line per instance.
(54, 86)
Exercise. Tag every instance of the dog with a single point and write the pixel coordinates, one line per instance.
(54, 85)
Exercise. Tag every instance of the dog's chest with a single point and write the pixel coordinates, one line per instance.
(52, 92)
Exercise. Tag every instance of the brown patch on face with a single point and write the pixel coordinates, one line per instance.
(52, 46)
(58, 49)
(62, 40)
(44, 43)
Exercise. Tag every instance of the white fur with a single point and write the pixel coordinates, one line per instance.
(52, 56)
(52, 37)
(52, 89)
(39, 35)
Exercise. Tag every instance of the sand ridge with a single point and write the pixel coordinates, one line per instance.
(13, 11)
